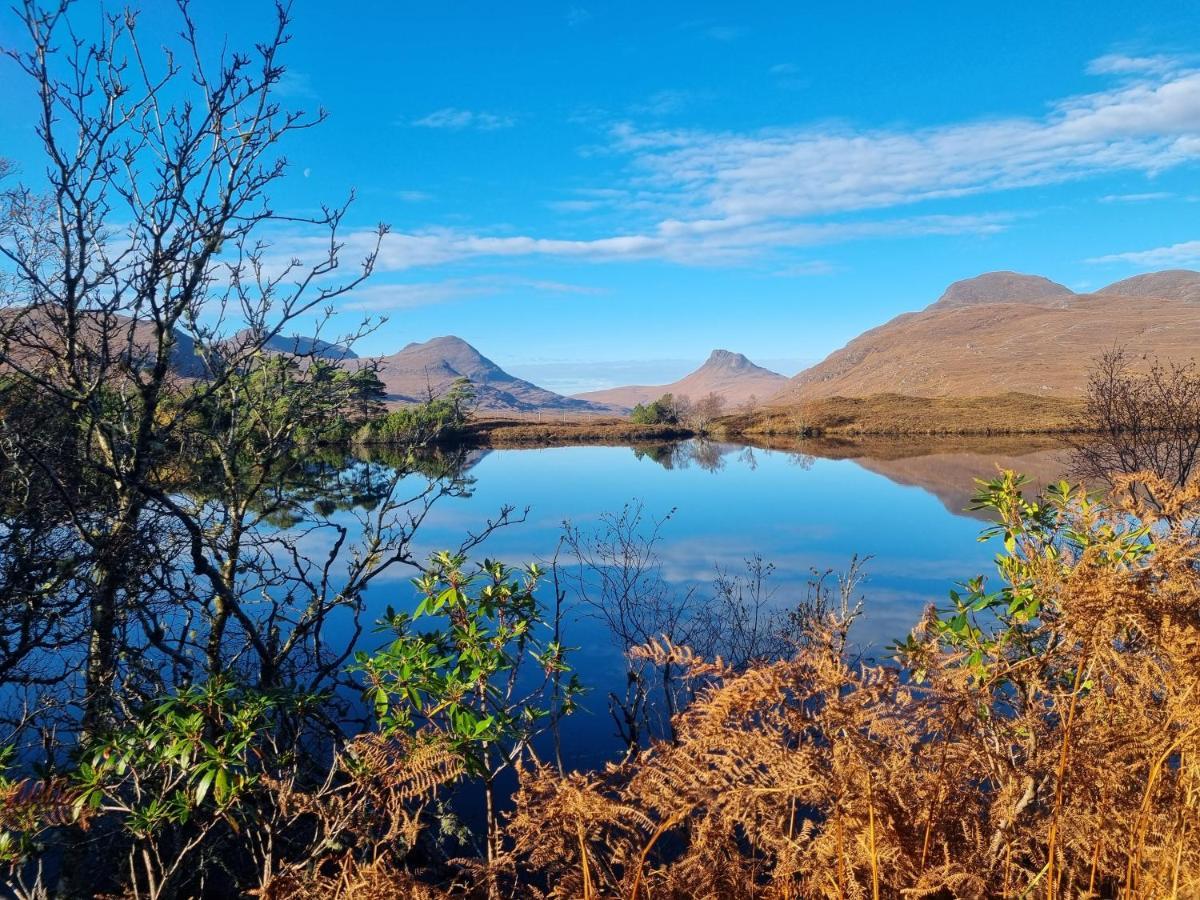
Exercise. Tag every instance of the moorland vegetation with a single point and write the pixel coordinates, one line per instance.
(187, 710)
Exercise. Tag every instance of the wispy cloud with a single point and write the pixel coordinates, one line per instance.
(1137, 198)
(699, 243)
(378, 298)
(1131, 64)
(414, 196)
(700, 197)
(789, 76)
(808, 268)
(725, 33)
(455, 119)
(714, 29)
(1146, 125)
(294, 84)
(665, 102)
(1181, 254)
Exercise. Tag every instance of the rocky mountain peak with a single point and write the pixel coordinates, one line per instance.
(1005, 287)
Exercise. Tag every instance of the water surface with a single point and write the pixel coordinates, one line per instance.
(899, 504)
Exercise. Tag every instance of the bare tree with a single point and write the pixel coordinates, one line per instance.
(160, 501)
(741, 622)
(618, 577)
(701, 414)
(1139, 419)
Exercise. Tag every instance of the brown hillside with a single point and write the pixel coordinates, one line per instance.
(1173, 284)
(1003, 333)
(31, 337)
(729, 375)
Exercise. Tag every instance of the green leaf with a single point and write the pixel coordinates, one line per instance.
(203, 785)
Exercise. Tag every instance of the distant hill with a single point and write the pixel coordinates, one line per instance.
(1173, 284)
(950, 475)
(1005, 332)
(729, 375)
(298, 345)
(1007, 287)
(35, 338)
(409, 375)
(420, 369)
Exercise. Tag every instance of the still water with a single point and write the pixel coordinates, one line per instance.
(800, 509)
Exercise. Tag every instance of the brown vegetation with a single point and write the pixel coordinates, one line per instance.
(883, 415)
(522, 432)
(895, 414)
(1052, 751)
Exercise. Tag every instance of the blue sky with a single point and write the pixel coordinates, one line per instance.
(598, 193)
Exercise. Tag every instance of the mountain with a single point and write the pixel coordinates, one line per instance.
(950, 476)
(34, 337)
(729, 375)
(1005, 332)
(420, 369)
(1006, 287)
(298, 345)
(1173, 284)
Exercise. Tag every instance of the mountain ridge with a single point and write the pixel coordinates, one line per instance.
(1014, 287)
(726, 373)
(1008, 332)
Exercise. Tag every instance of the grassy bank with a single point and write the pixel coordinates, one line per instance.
(896, 414)
(522, 432)
(884, 416)
(906, 446)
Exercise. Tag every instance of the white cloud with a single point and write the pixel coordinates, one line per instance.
(700, 197)
(665, 102)
(1137, 198)
(376, 298)
(454, 119)
(295, 85)
(1181, 254)
(1145, 125)
(694, 242)
(1126, 64)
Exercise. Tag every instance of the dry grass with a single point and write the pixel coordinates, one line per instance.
(522, 432)
(895, 414)
(1064, 762)
(837, 417)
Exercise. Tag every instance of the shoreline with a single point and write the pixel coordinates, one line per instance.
(837, 418)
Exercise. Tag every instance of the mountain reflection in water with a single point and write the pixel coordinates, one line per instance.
(803, 507)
